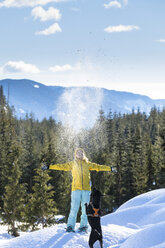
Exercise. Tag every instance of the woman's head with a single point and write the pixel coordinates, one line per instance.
(80, 154)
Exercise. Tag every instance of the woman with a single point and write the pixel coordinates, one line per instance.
(80, 169)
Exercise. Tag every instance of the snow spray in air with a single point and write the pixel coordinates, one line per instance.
(78, 107)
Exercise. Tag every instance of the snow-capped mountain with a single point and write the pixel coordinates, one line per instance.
(76, 104)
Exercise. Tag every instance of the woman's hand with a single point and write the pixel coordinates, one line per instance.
(113, 169)
(44, 167)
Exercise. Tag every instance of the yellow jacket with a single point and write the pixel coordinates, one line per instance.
(80, 172)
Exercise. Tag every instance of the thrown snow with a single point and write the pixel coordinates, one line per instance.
(139, 223)
(21, 111)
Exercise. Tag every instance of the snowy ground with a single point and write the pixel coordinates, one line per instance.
(139, 223)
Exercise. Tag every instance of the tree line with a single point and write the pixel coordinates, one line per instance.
(29, 196)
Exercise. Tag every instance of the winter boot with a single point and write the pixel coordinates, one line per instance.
(83, 229)
(69, 229)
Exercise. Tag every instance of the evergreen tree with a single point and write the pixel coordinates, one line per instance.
(127, 165)
(161, 152)
(153, 124)
(52, 153)
(98, 148)
(13, 200)
(30, 158)
(139, 165)
(110, 135)
(157, 158)
(8, 142)
(152, 162)
(41, 206)
(119, 160)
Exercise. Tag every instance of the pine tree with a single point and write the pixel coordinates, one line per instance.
(2, 137)
(127, 166)
(52, 153)
(153, 124)
(160, 170)
(110, 135)
(13, 200)
(41, 206)
(139, 165)
(30, 158)
(8, 142)
(119, 160)
(157, 174)
(99, 146)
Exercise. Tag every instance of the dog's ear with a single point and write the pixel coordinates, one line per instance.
(93, 190)
(97, 193)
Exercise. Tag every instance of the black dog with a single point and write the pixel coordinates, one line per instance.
(93, 212)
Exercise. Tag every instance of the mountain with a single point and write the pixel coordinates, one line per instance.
(77, 105)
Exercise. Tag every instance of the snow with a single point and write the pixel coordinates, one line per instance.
(59, 218)
(139, 223)
(36, 86)
(21, 111)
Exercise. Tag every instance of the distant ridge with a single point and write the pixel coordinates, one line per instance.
(80, 104)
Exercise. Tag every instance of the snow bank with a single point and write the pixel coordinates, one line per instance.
(146, 214)
(153, 236)
(139, 223)
(145, 209)
(155, 196)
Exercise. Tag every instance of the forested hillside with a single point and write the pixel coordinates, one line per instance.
(134, 143)
(65, 104)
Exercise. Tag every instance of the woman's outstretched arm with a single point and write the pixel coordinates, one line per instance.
(98, 167)
(64, 167)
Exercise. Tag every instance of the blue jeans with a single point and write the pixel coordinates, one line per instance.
(77, 197)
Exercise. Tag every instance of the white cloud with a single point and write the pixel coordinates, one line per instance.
(27, 3)
(121, 28)
(54, 28)
(161, 40)
(46, 15)
(64, 68)
(19, 66)
(112, 4)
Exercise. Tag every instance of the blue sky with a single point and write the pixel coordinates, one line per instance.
(104, 43)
